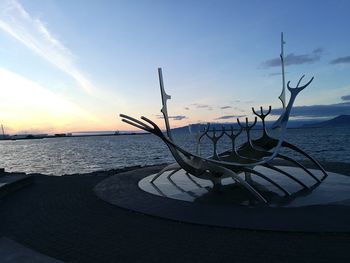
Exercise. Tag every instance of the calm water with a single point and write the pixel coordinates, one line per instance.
(60, 156)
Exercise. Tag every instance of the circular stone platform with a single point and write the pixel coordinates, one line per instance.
(335, 189)
(325, 208)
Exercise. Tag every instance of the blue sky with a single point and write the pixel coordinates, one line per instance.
(75, 65)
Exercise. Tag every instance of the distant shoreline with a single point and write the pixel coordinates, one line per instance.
(33, 137)
(68, 135)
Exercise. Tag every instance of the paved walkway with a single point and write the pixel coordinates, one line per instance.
(12, 252)
(61, 217)
(11, 182)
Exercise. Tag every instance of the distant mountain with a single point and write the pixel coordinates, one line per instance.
(341, 120)
(195, 127)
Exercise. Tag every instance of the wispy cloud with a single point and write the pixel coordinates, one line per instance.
(292, 59)
(330, 110)
(341, 60)
(226, 117)
(175, 118)
(35, 35)
(346, 97)
(225, 107)
(276, 74)
(202, 106)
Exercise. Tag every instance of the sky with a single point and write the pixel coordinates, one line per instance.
(68, 66)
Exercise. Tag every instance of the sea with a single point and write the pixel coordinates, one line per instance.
(76, 155)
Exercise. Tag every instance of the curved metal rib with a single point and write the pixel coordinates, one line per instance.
(172, 173)
(170, 167)
(181, 189)
(297, 149)
(229, 173)
(158, 189)
(286, 174)
(194, 181)
(299, 165)
(285, 191)
(267, 142)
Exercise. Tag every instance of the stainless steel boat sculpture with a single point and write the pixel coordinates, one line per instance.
(237, 160)
(241, 159)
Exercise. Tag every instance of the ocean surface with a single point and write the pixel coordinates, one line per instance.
(71, 155)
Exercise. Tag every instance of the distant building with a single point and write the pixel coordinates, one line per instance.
(20, 136)
(60, 135)
(28, 136)
(4, 136)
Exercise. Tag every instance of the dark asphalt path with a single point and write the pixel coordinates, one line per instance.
(62, 218)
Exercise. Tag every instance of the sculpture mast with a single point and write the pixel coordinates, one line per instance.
(282, 97)
(3, 132)
(164, 109)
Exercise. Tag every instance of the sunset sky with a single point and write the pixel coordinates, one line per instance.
(70, 66)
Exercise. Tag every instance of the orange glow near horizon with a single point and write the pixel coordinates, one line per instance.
(29, 107)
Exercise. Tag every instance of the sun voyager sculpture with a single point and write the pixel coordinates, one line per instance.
(240, 159)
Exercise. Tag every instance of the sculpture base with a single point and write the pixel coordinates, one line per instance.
(182, 186)
(325, 209)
